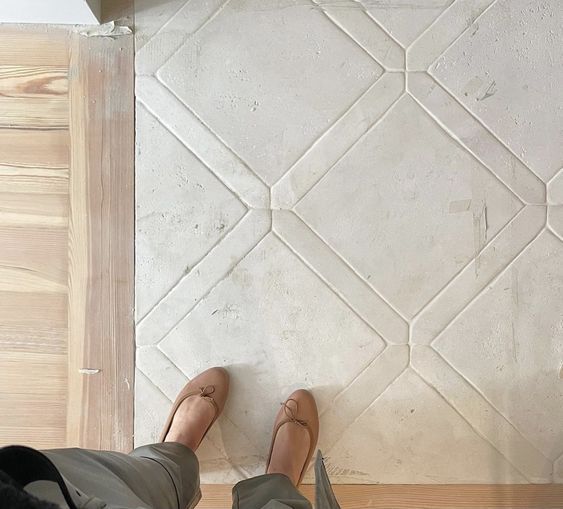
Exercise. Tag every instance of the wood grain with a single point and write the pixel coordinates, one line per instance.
(16, 179)
(32, 322)
(33, 97)
(100, 405)
(35, 409)
(418, 496)
(34, 45)
(34, 148)
(42, 251)
(34, 160)
(34, 209)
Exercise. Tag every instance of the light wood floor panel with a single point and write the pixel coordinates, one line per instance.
(418, 496)
(20, 209)
(33, 320)
(33, 46)
(35, 148)
(34, 161)
(56, 208)
(37, 404)
(41, 250)
(101, 269)
(33, 97)
(16, 179)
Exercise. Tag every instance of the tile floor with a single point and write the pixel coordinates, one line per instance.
(364, 198)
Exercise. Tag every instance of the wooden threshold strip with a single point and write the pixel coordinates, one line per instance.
(101, 243)
(419, 496)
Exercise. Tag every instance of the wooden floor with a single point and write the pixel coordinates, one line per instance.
(34, 208)
(66, 238)
(418, 496)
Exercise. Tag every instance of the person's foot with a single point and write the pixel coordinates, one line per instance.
(196, 408)
(294, 440)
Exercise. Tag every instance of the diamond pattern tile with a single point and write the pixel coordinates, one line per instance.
(405, 20)
(173, 234)
(506, 70)
(271, 294)
(363, 198)
(408, 429)
(392, 209)
(233, 85)
(509, 344)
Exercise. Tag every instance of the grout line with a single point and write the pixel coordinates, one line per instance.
(456, 139)
(351, 147)
(322, 8)
(334, 290)
(327, 132)
(492, 281)
(363, 412)
(476, 431)
(206, 294)
(227, 146)
(483, 125)
(211, 17)
(217, 176)
(347, 264)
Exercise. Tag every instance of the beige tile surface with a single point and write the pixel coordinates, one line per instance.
(366, 199)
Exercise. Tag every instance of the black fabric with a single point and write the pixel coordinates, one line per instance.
(13, 496)
(25, 465)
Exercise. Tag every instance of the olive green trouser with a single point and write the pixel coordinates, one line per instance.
(158, 476)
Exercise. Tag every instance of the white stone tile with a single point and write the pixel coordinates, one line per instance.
(165, 26)
(151, 409)
(461, 290)
(379, 234)
(481, 415)
(410, 435)
(555, 219)
(181, 122)
(310, 168)
(405, 20)
(441, 34)
(476, 138)
(354, 20)
(163, 374)
(507, 71)
(343, 280)
(241, 69)
(555, 189)
(203, 277)
(558, 470)
(408, 216)
(509, 344)
(269, 314)
(150, 16)
(182, 211)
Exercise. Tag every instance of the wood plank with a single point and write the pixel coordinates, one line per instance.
(33, 97)
(420, 496)
(33, 45)
(37, 408)
(34, 148)
(34, 209)
(33, 321)
(101, 279)
(15, 179)
(42, 251)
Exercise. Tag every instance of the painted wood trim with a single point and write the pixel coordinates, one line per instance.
(420, 496)
(101, 243)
